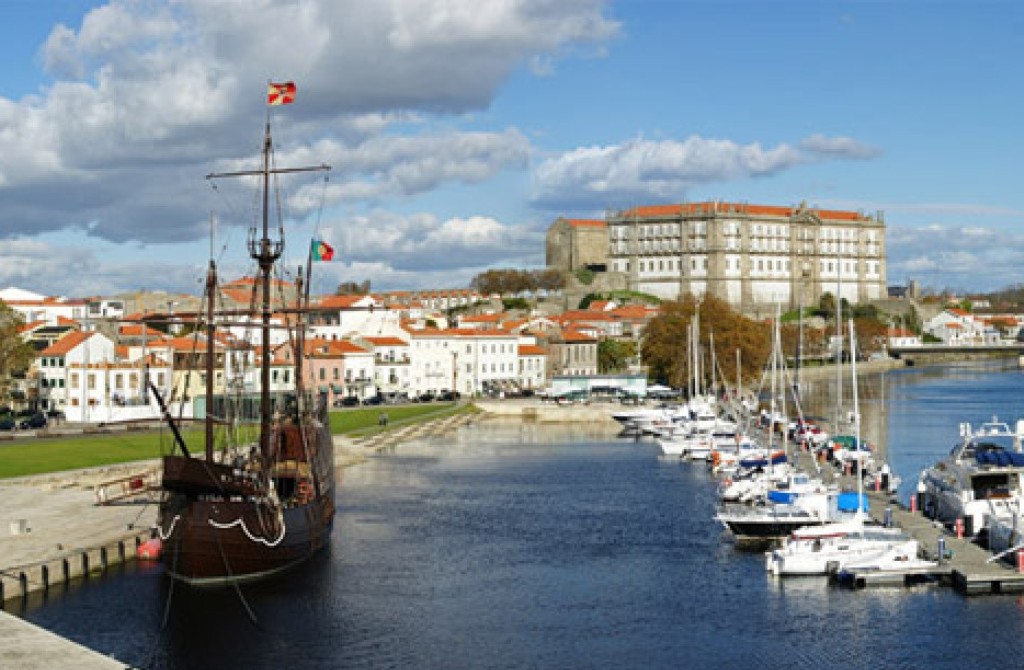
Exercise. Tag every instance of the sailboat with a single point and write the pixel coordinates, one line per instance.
(785, 500)
(250, 509)
(824, 548)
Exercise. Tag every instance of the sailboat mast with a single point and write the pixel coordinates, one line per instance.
(266, 255)
(266, 252)
(211, 288)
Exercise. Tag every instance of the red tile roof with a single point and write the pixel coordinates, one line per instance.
(65, 344)
(531, 350)
(708, 207)
(570, 335)
(386, 341)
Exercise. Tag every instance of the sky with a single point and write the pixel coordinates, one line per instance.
(457, 131)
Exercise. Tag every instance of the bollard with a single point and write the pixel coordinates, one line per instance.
(888, 517)
(878, 483)
(1020, 560)
(942, 548)
(913, 503)
(959, 528)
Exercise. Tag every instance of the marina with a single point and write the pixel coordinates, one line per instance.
(587, 541)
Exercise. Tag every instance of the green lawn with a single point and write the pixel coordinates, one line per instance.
(33, 456)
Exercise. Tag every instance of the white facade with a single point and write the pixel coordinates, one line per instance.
(749, 255)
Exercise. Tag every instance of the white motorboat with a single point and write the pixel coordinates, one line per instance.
(981, 478)
(900, 565)
(824, 549)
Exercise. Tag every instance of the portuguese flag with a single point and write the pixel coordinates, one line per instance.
(320, 251)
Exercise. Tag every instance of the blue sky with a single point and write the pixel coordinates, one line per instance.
(458, 131)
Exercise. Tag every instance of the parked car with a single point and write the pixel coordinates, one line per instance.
(33, 422)
(425, 397)
(448, 396)
(347, 401)
(375, 400)
(7, 423)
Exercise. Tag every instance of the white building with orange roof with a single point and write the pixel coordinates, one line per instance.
(751, 256)
(488, 321)
(337, 317)
(532, 367)
(901, 337)
(82, 376)
(600, 324)
(955, 326)
(35, 307)
(392, 363)
(469, 361)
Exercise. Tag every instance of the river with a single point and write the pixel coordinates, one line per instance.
(561, 546)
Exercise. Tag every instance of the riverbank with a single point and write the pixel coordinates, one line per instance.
(54, 532)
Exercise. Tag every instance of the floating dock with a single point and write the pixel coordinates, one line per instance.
(966, 567)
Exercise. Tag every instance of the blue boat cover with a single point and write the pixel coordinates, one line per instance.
(848, 502)
(1000, 457)
(762, 462)
(783, 497)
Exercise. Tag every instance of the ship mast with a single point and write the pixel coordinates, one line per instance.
(265, 252)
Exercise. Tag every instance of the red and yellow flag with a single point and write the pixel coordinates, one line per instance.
(281, 94)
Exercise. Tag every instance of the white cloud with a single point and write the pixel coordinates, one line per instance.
(147, 95)
(53, 269)
(838, 147)
(422, 241)
(958, 257)
(642, 170)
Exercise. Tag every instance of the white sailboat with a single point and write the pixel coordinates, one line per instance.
(830, 547)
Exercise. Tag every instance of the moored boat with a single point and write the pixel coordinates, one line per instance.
(982, 477)
(239, 510)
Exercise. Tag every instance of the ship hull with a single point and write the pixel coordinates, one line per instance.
(214, 534)
(224, 542)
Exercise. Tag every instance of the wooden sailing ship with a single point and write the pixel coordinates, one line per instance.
(238, 512)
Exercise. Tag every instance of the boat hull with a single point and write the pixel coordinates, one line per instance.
(215, 535)
(222, 542)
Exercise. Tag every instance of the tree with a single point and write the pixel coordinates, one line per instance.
(665, 340)
(15, 354)
(614, 355)
(550, 279)
(353, 288)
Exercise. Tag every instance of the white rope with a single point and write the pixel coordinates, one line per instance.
(245, 529)
(170, 531)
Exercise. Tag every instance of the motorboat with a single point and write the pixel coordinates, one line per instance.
(899, 565)
(981, 478)
(824, 549)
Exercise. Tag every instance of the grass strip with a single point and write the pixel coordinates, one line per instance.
(41, 455)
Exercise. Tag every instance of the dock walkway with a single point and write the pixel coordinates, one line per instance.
(966, 566)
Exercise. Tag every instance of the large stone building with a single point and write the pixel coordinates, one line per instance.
(574, 244)
(753, 256)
